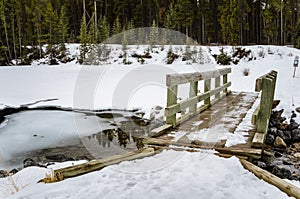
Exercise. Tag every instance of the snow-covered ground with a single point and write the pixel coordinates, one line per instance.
(167, 175)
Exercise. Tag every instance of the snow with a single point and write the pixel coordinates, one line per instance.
(170, 174)
(167, 175)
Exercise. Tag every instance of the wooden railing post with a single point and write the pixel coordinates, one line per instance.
(225, 80)
(265, 105)
(172, 100)
(217, 84)
(193, 93)
(207, 87)
(261, 116)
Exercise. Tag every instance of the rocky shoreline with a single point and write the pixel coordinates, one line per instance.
(282, 147)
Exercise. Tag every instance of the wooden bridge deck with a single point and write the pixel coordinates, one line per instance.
(212, 127)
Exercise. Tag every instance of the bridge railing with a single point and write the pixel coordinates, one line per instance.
(261, 116)
(196, 102)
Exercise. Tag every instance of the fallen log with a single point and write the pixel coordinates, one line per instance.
(73, 171)
(288, 188)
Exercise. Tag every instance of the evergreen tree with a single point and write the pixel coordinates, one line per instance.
(153, 34)
(93, 32)
(117, 28)
(51, 23)
(63, 26)
(83, 37)
(104, 29)
(229, 22)
(184, 14)
(170, 21)
(5, 26)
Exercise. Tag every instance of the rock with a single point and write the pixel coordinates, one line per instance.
(298, 109)
(275, 103)
(28, 162)
(3, 174)
(282, 126)
(293, 125)
(270, 139)
(297, 155)
(261, 164)
(157, 112)
(293, 114)
(277, 154)
(277, 114)
(282, 171)
(287, 162)
(282, 119)
(272, 131)
(286, 136)
(279, 133)
(279, 142)
(296, 135)
(13, 171)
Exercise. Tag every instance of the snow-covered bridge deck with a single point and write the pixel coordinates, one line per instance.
(225, 126)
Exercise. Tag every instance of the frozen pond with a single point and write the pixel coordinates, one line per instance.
(33, 133)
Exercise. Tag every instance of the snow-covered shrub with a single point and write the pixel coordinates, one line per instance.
(187, 55)
(171, 56)
(223, 58)
(261, 53)
(241, 53)
(103, 53)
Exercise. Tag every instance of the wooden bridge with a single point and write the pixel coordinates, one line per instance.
(215, 113)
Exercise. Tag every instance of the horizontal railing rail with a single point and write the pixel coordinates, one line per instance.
(191, 103)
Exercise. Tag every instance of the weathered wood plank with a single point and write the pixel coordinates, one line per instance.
(171, 100)
(258, 83)
(182, 78)
(160, 130)
(193, 93)
(256, 153)
(266, 105)
(255, 115)
(207, 88)
(258, 140)
(73, 171)
(217, 84)
(284, 186)
(225, 80)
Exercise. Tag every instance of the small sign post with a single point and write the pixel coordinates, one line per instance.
(296, 62)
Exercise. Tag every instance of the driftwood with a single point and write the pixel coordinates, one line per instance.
(73, 171)
(284, 186)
